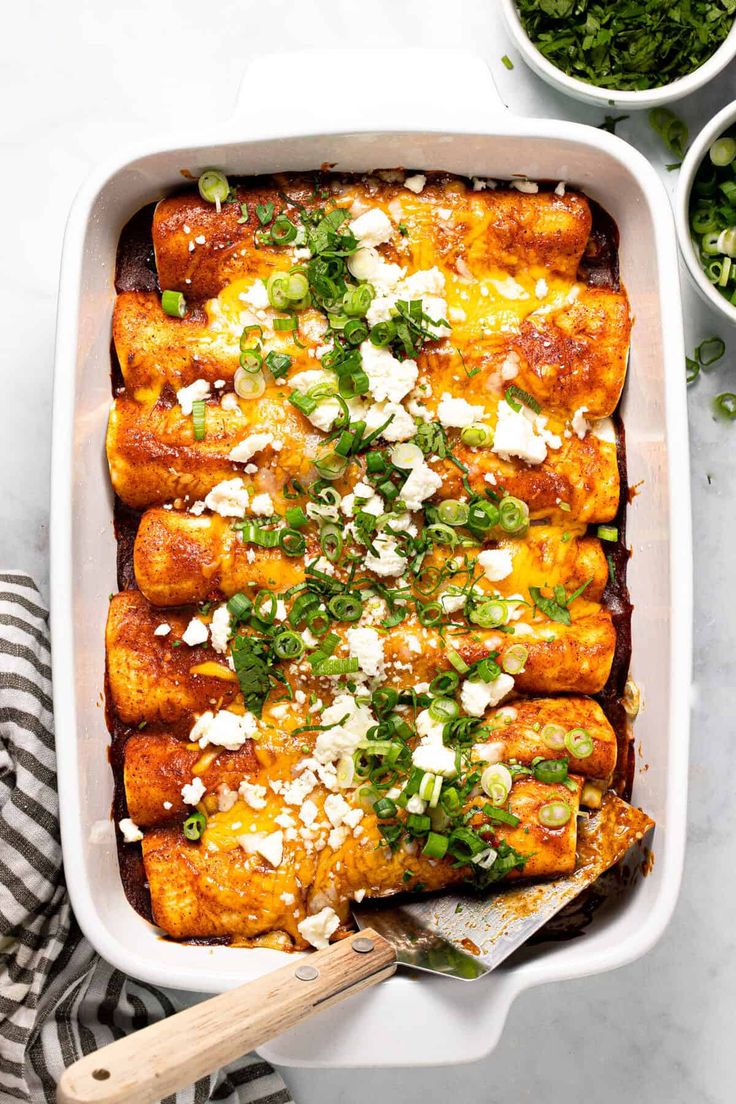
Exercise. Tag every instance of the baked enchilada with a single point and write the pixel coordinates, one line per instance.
(372, 631)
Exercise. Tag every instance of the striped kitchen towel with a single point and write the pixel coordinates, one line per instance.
(58, 1000)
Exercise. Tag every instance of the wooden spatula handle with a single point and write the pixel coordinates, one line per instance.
(148, 1065)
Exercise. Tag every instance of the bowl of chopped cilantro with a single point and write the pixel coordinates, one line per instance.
(624, 53)
(705, 211)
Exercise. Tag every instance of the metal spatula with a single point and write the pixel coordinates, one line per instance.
(457, 935)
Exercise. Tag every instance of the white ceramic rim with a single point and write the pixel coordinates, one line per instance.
(693, 160)
(273, 129)
(611, 97)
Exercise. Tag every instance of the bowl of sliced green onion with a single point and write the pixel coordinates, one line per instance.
(706, 211)
(637, 54)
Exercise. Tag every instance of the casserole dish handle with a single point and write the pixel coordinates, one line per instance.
(406, 89)
(158, 1060)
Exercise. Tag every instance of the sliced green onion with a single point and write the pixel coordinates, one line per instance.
(265, 605)
(249, 385)
(444, 709)
(722, 152)
(382, 334)
(710, 351)
(285, 325)
(501, 816)
(446, 683)
(435, 846)
(513, 516)
(199, 413)
(355, 331)
(490, 614)
(331, 465)
(418, 823)
(727, 244)
(173, 303)
(607, 533)
(452, 512)
(550, 770)
(426, 786)
(406, 455)
(442, 534)
(277, 290)
(288, 645)
(345, 771)
(457, 661)
(464, 844)
(253, 533)
(554, 814)
(496, 782)
(725, 405)
(513, 660)
(292, 542)
(553, 736)
(278, 364)
(330, 539)
(195, 825)
(239, 607)
(356, 300)
(476, 435)
(579, 743)
(516, 397)
(251, 360)
(385, 808)
(431, 613)
(338, 667)
(345, 607)
(283, 230)
(483, 515)
(296, 518)
(214, 187)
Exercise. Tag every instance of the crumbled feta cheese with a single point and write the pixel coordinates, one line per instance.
(480, 185)
(228, 498)
(476, 697)
(262, 505)
(490, 753)
(253, 794)
(196, 391)
(579, 422)
(368, 264)
(256, 296)
(514, 436)
(452, 602)
(195, 633)
(336, 808)
(163, 629)
(308, 813)
(342, 738)
(196, 508)
(220, 629)
(230, 401)
(389, 378)
(305, 381)
(270, 847)
(509, 288)
(420, 485)
(359, 895)
(560, 188)
(497, 563)
(402, 426)
(541, 288)
(337, 837)
(296, 791)
(367, 647)
(387, 559)
(510, 366)
(193, 792)
(526, 186)
(131, 832)
(287, 898)
(224, 729)
(226, 797)
(317, 929)
(373, 227)
(247, 448)
(435, 758)
(457, 413)
(415, 183)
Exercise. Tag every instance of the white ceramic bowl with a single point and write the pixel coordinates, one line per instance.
(698, 150)
(611, 97)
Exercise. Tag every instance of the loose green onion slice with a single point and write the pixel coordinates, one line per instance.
(490, 614)
(356, 300)
(288, 645)
(725, 405)
(579, 743)
(513, 516)
(450, 801)
(239, 607)
(331, 465)
(554, 814)
(496, 782)
(276, 288)
(265, 605)
(672, 130)
(442, 534)
(501, 816)
(337, 666)
(507, 62)
(476, 435)
(418, 823)
(446, 683)
(249, 385)
(345, 772)
(199, 409)
(355, 331)
(514, 659)
(296, 518)
(384, 808)
(214, 187)
(285, 325)
(553, 735)
(457, 661)
(431, 613)
(251, 360)
(516, 397)
(382, 334)
(283, 230)
(345, 607)
(464, 844)
(305, 404)
(444, 709)
(330, 539)
(173, 303)
(483, 515)
(195, 825)
(550, 770)
(435, 846)
(252, 533)
(607, 533)
(710, 351)
(722, 152)
(278, 364)
(452, 512)
(292, 542)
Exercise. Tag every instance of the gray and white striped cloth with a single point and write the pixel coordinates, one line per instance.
(58, 1000)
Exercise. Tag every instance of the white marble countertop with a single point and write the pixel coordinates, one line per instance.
(81, 78)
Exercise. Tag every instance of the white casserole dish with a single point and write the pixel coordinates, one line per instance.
(442, 113)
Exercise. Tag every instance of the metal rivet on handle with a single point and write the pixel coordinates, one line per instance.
(363, 944)
(306, 973)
